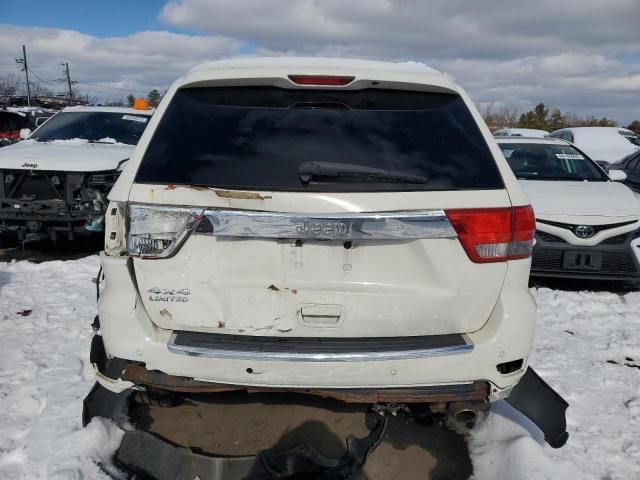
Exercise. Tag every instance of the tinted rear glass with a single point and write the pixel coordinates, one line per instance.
(256, 138)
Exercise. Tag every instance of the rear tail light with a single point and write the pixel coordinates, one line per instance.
(157, 232)
(13, 134)
(332, 80)
(494, 234)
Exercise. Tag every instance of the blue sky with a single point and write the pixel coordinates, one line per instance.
(90, 16)
(582, 56)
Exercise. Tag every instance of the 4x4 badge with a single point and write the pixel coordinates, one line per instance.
(174, 295)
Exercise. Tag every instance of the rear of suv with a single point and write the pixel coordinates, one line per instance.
(334, 227)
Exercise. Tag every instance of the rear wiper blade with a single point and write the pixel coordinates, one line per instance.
(309, 170)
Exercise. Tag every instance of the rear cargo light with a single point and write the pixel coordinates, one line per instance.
(157, 232)
(494, 234)
(333, 80)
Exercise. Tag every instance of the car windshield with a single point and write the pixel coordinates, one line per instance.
(547, 161)
(105, 127)
(267, 138)
(635, 139)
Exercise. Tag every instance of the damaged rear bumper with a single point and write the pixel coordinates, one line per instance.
(118, 375)
(531, 396)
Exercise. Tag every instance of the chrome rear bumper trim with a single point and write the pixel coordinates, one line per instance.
(335, 226)
(313, 349)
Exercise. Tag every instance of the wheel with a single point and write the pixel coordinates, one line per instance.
(155, 397)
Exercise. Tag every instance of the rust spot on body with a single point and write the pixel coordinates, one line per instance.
(166, 313)
(241, 195)
(273, 288)
(221, 324)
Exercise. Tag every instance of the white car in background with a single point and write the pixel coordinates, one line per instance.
(587, 226)
(56, 181)
(520, 132)
(604, 145)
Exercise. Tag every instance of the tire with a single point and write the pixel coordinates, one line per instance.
(155, 397)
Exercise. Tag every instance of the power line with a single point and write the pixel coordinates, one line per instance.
(48, 82)
(130, 90)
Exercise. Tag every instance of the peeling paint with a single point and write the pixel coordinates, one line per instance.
(166, 313)
(273, 288)
(241, 195)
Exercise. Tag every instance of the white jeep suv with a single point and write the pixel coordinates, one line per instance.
(335, 227)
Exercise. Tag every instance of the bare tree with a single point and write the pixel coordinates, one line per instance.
(39, 90)
(502, 116)
(9, 84)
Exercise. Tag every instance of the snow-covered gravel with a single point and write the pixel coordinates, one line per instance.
(45, 374)
(579, 336)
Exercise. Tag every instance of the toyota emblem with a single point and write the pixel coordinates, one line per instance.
(584, 231)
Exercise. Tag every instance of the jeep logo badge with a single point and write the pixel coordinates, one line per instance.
(324, 229)
(29, 165)
(584, 231)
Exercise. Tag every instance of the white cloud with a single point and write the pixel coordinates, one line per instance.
(567, 53)
(579, 55)
(136, 63)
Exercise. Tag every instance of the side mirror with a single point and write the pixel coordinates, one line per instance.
(617, 175)
(24, 133)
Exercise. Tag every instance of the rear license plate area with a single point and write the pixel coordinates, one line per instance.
(578, 260)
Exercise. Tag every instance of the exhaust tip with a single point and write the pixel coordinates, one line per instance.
(465, 416)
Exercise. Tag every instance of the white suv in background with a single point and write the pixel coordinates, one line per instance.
(588, 227)
(334, 227)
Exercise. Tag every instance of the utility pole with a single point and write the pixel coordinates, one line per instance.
(25, 69)
(69, 82)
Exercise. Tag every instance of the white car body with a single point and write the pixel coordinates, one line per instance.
(31, 209)
(65, 155)
(266, 288)
(611, 208)
(602, 144)
(520, 132)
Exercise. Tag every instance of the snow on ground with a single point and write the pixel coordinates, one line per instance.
(45, 373)
(586, 347)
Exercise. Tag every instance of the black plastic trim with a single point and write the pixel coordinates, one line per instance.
(534, 398)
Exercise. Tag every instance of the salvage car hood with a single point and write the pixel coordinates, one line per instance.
(562, 201)
(66, 155)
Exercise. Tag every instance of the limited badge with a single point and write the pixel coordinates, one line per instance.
(170, 295)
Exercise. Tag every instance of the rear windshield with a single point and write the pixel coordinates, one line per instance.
(268, 138)
(548, 161)
(101, 127)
